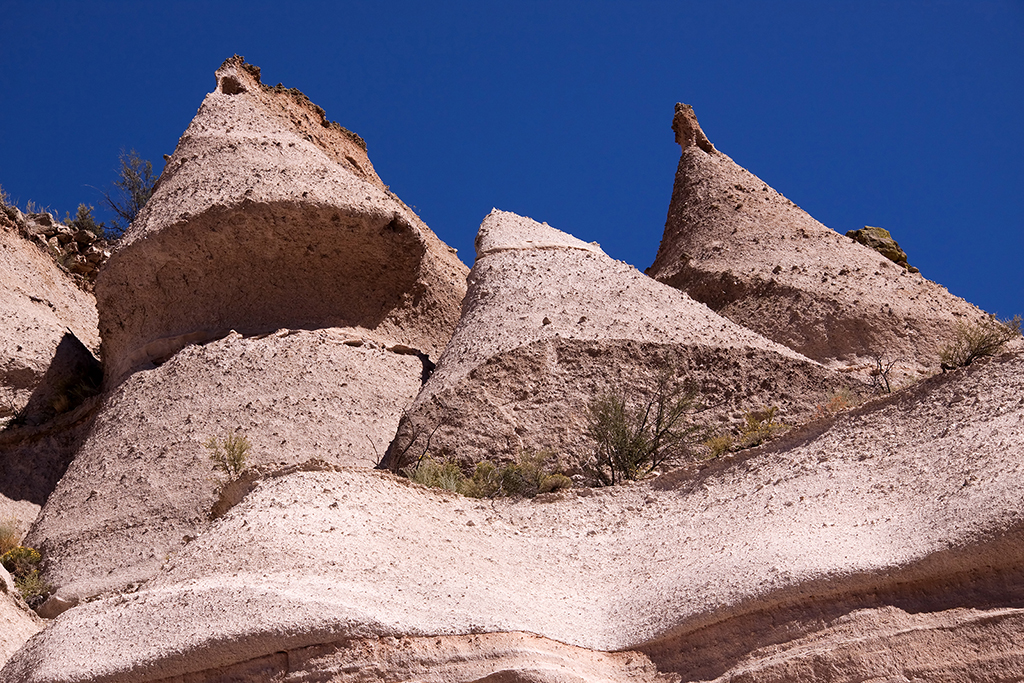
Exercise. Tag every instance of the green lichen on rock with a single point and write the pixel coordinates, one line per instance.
(881, 241)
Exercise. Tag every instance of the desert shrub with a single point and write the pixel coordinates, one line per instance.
(10, 535)
(634, 435)
(978, 340)
(230, 454)
(83, 220)
(837, 402)
(23, 564)
(438, 475)
(760, 426)
(524, 478)
(719, 445)
(132, 189)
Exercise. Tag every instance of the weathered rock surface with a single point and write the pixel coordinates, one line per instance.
(38, 304)
(142, 484)
(881, 241)
(269, 216)
(549, 322)
(734, 243)
(888, 541)
(17, 622)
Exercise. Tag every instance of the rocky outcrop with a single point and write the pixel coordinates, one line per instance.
(734, 243)
(142, 484)
(269, 216)
(881, 241)
(885, 540)
(550, 322)
(17, 622)
(40, 304)
(80, 253)
(272, 288)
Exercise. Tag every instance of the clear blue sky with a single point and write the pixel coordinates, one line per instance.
(908, 115)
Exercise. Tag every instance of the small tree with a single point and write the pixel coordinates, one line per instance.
(633, 436)
(84, 220)
(974, 341)
(132, 189)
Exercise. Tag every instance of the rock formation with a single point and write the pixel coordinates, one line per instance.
(40, 304)
(886, 541)
(47, 338)
(734, 243)
(17, 622)
(269, 216)
(549, 322)
(272, 288)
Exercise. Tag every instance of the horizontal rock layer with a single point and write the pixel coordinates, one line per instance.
(768, 559)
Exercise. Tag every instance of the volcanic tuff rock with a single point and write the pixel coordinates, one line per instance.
(17, 622)
(550, 321)
(752, 255)
(887, 540)
(40, 303)
(269, 216)
(318, 296)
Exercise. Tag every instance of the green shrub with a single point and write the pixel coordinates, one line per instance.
(634, 436)
(760, 426)
(719, 445)
(132, 189)
(84, 220)
(978, 340)
(23, 564)
(229, 455)
(525, 478)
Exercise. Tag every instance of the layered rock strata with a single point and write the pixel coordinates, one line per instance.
(143, 485)
(551, 322)
(736, 244)
(272, 288)
(269, 216)
(886, 542)
(40, 304)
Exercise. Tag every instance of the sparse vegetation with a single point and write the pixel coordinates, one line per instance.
(633, 436)
(719, 445)
(132, 189)
(880, 374)
(84, 220)
(525, 478)
(838, 401)
(230, 454)
(23, 564)
(978, 340)
(761, 426)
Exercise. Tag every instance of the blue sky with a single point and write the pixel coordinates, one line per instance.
(902, 114)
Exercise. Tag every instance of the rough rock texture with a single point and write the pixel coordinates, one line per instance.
(752, 255)
(17, 622)
(550, 322)
(267, 216)
(142, 484)
(888, 541)
(79, 253)
(38, 304)
(881, 241)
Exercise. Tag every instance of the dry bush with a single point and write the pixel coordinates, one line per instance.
(229, 455)
(761, 426)
(634, 435)
(978, 340)
(525, 478)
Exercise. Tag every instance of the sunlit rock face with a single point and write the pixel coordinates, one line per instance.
(736, 244)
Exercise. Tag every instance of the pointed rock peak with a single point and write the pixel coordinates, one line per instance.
(688, 132)
(236, 76)
(503, 230)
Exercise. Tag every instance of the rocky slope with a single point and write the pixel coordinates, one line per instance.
(734, 243)
(886, 540)
(549, 322)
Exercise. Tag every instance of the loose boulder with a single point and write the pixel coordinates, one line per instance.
(551, 322)
(736, 244)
